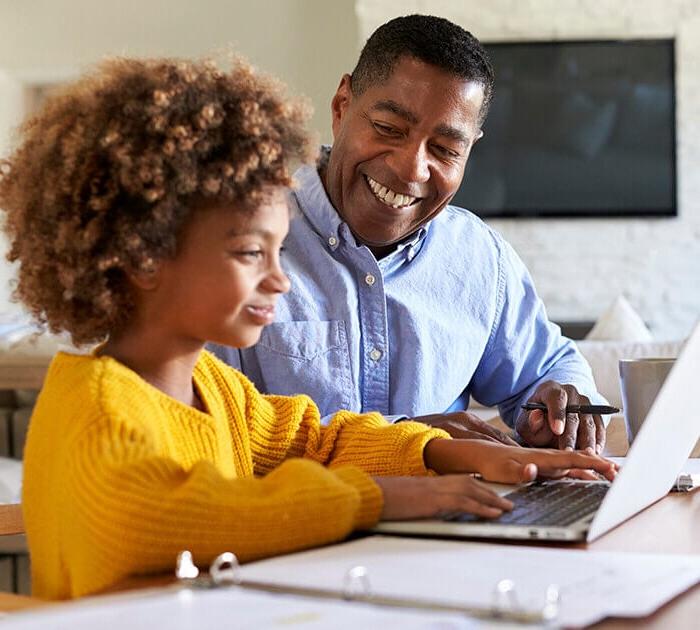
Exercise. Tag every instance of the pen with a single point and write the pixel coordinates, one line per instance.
(597, 409)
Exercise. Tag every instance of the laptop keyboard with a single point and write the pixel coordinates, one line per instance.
(555, 504)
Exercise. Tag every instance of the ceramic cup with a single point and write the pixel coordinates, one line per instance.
(640, 382)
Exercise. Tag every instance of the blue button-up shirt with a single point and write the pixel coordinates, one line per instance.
(451, 314)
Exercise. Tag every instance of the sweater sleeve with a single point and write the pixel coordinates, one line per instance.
(129, 510)
(282, 427)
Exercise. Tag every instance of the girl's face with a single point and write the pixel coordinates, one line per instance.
(223, 284)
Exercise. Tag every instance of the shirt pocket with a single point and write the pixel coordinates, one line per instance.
(310, 357)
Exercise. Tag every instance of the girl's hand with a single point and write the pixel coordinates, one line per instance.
(438, 497)
(511, 464)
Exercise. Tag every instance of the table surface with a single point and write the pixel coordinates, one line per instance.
(672, 525)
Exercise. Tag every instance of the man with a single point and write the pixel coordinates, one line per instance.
(401, 303)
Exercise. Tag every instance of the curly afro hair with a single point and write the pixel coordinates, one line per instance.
(111, 168)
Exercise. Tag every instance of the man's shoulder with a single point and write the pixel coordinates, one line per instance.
(456, 221)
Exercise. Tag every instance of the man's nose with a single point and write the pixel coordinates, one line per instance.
(410, 163)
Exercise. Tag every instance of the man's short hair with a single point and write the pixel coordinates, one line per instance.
(433, 40)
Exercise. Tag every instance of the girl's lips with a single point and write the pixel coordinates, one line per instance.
(261, 314)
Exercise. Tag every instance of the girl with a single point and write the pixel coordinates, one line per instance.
(146, 207)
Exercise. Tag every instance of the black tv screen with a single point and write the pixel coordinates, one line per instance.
(583, 128)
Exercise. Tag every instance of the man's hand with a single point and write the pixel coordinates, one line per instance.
(557, 429)
(438, 497)
(508, 464)
(466, 426)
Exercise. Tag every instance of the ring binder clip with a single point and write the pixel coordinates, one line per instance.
(550, 611)
(356, 583)
(507, 606)
(185, 569)
(225, 570)
(505, 597)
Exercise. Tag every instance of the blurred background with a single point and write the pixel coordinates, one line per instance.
(580, 265)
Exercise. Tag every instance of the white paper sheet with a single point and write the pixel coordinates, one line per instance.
(225, 608)
(593, 585)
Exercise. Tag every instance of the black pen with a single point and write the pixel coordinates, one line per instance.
(596, 409)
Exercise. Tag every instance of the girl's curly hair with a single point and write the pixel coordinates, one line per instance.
(111, 168)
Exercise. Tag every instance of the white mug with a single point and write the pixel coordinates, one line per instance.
(640, 382)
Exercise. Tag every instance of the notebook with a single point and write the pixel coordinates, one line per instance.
(652, 465)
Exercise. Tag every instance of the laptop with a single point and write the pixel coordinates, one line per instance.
(573, 510)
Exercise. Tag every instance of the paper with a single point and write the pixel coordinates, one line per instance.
(593, 585)
(225, 608)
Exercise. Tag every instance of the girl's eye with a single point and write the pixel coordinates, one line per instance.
(252, 253)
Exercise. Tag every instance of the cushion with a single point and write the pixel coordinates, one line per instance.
(620, 322)
(604, 357)
(10, 480)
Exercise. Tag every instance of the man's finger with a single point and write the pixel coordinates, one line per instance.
(497, 435)
(586, 433)
(557, 420)
(567, 441)
(536, 420)
(599, 434)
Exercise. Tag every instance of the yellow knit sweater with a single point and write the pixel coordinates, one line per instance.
(119, 477)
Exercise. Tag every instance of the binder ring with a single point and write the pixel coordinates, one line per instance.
(506, 605)
(356, 583)
(186, 569)
(505, 596)
(225, 570)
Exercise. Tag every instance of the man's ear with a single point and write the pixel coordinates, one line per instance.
(340, 103)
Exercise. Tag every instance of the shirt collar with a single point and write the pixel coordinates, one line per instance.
(314, 202)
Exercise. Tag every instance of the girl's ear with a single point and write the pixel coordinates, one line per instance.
(146, 278)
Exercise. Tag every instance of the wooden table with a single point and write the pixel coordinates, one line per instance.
(672, 525)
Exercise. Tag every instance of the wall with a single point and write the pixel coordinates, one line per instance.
(581, 265)
(307, 43)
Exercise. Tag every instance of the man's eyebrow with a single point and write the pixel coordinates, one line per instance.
(393, 107)
(443, 130)
(452, 132)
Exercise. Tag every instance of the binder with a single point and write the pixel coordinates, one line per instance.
(517, 584)
(225, 571)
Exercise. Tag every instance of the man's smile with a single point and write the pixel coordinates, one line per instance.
(390, 197)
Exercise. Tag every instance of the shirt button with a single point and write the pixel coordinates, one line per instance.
(375, 355)
(369, 279)
(332, 241)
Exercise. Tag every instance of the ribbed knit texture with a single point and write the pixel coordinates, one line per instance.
(119, 477)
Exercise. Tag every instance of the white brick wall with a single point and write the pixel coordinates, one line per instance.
(581, 265)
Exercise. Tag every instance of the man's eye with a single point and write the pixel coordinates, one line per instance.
(385, 130)
(445, 152)
(251, 253)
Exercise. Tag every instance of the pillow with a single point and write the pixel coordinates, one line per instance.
(604, 356)
(10, 480)
(620, 322)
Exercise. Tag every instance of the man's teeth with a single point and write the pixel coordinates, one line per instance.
(389, 197)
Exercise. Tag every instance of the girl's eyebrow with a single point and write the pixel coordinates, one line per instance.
(233, 232)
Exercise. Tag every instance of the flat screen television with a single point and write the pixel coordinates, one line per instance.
(577, 129)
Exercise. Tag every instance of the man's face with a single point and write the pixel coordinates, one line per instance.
(400, 149)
